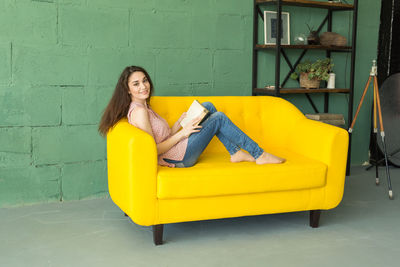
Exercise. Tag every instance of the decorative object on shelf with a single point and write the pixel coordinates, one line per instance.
(300, 39)
(270, 19)
(331, 81)
(311, 73)
(312, 38)
(333, 119)
(309, 83)
(332, 39)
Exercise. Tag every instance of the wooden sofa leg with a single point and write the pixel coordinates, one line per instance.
(158, 234)
(314, 218)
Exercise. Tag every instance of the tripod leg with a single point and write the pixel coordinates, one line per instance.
(376, 161)
(359, 105)
(383, 137)
(387, 167)
(353, 122)
(376, 144)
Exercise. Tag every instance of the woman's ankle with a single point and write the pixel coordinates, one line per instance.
(267, 158)
(240, 156)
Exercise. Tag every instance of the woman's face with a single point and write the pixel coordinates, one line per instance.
(139, 86)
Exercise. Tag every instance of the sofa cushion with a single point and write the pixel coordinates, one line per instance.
(215, 175)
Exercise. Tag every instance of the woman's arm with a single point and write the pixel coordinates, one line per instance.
(186, 131)
(140, 118)
(177, 124)
(170, 142)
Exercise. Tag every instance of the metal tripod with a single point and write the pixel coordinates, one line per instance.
(377, 107)
(380, 160)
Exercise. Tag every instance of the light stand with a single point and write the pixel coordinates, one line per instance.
(377, 107)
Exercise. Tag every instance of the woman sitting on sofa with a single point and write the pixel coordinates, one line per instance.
(175, 147)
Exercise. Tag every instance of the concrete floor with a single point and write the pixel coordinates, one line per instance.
(362, 231)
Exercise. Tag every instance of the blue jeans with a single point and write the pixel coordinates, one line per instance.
(228, 133)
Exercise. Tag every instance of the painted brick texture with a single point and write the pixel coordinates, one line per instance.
(60, 61)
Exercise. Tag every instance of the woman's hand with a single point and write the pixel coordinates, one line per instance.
(191, 127)
(182, 117)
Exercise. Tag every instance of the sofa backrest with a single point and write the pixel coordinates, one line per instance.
(265, 119)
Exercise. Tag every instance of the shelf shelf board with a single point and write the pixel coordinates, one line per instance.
(309, 3)
(317, 47)
(300, 91)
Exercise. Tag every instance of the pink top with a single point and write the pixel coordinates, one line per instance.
(162, 132)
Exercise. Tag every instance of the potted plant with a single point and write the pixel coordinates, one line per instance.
(311, 73)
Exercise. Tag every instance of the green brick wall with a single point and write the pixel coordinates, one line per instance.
(60, 60)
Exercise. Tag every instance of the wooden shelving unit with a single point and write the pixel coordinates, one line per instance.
(317, 47)
(279, 50)
(267, 91)
(308, 3)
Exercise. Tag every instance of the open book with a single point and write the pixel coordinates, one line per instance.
(195, 110)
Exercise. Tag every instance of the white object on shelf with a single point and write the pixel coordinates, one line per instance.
(331, 81)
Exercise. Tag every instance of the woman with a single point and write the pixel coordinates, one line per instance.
(176, 147)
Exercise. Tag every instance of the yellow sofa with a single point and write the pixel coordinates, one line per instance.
(311, 179)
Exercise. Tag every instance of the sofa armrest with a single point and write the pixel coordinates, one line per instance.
(132, 172)
(325, 143)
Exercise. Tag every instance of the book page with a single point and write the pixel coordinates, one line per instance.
(194, 111)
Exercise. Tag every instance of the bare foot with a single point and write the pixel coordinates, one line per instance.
(267, 158)
(241, 156)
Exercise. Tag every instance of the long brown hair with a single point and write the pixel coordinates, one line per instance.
(118, 106)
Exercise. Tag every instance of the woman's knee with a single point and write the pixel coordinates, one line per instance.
(210, 106)
(218, 117)
(219, 114)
